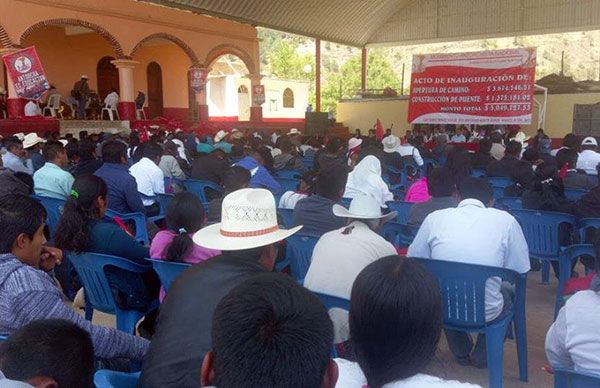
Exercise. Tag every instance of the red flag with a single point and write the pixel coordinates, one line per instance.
(379, 130)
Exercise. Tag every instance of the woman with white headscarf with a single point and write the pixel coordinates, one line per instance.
(366, 179)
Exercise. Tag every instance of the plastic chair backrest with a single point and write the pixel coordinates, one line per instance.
(309, 162)
(575, 194)
(566, 378)
(463, 289)
(292, 174)
(499, 181)
(111, 379)
(403, 209)
(54, 208)
(139, 219)
(199, 188)
(541, 230)
(90, 268)
(287, 184)
(54, 101)
(163, 201)
(330, 301)
(299, 250)
(586, 224)
(168, 271)
(399, 235)
(3, 338)
(510, 203)
(287, 217)
(477, 173)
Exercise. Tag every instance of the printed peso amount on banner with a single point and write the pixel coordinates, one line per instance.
(486, 87)
(26, 72)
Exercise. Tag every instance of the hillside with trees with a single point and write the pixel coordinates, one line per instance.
(288, 56)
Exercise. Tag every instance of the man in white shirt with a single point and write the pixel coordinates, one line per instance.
(32, 109)
(112, 99)
(408, 149)
(341, 254)
(589, 157)
(149, 177)
(573, 340)
(475, 234)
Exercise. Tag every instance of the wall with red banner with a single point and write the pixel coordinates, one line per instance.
(26, 72)
(487, 87)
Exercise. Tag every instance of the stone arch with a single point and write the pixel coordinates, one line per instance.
(77, 22)
(184, 46)
(5, 41)
(223, 49)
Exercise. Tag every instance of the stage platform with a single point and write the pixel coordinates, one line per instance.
(43, 125)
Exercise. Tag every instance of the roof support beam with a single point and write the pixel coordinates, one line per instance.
(318, 74)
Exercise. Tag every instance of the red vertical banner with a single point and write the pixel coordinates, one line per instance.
(258, 94)
(198, 79)
(26, 72)
(486, 87)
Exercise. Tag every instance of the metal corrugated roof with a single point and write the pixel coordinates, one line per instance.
(373, 22)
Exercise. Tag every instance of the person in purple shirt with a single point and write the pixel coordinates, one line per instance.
(316, 212)
(260, 176)
(123, 195)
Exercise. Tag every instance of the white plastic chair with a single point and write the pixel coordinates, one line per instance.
(53, 106)
(139, 113)
(110, 110)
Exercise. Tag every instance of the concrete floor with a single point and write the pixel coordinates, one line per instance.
(540, 310)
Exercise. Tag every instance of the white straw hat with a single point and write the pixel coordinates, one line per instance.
(248, 220)
(84, 76)
(294, 131)
(521, 137)
(589, 141)
(32, 139)
(353, 143)
(20, 136)
(390, 144)
(363, 207)
(220, 136)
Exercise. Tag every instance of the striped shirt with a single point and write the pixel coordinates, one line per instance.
(28, 294)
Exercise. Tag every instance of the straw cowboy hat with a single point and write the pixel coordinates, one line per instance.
(32, 139)
(20, 136)
(363, 207)
(83, 76)
(390, 144)
(220, 136)
(248, 220)
(589, 141)
(353, 143)
(293, 131)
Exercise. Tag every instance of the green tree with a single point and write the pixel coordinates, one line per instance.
(286, 63)
(346, 82)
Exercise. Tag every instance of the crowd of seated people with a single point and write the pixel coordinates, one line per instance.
(227, 321)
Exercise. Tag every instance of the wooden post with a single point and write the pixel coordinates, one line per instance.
(363, 72)
(318, 74)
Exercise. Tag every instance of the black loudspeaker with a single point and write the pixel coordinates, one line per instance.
(316, 123)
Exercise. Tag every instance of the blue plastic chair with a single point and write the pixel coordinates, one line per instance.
(287, 217)
(509, 203)
(566, 378)
(401, 178)
(463, 301)
(3, 338)
(477, 173)
(330, 302)
(287, 184)
(110, 379)
(291, 174)
(163, 201)
(169, 182)
(139, 220)
(399, 235)
(309, 162)
(299, 253)
(54, 208)
(403, 209)
(98, 294)
(575, 194)
(200, 187)
(541, 230)
(428, 164)
(566, 260)
(161, 213)
(585, 224)
(499, 184)
(167, 271)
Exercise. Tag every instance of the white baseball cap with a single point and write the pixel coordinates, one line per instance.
(590, 141)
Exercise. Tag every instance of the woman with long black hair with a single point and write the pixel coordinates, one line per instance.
(83, 227)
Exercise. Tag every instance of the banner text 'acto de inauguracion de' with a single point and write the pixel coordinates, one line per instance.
(488, 87)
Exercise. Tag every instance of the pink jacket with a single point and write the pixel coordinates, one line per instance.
(418, 192)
